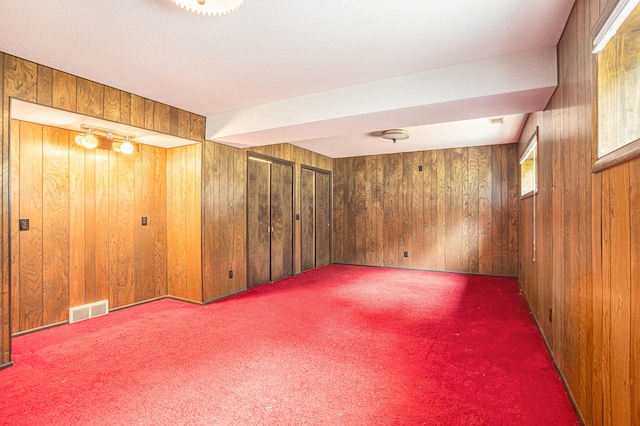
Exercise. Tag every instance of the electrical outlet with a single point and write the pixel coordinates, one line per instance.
(297, 216)
(406, 254)
(24, 224)
(419, 168)
(144, 221)
(230, 273)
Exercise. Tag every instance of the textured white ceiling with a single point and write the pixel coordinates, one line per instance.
(268, 52)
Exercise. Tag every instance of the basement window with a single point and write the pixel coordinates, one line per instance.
(529, 168)
(618, 84)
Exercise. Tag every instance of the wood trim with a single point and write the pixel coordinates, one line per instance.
(621, 155)
(529, 194)
(44, 327)
(220, 299)
(256, 155)
(604, 15)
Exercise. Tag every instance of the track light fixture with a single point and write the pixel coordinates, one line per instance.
(96, 137)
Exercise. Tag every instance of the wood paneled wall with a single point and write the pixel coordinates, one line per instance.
(224, 183)
(184, 224)
(85, 241)
(299, 156)
(224, 235)
(32, 82)
(458, 214)
(583, 285)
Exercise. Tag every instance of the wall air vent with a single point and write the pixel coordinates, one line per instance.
(90, 310)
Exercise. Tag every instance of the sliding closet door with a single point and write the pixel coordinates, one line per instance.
(258, 223)
(307, 219)
(323, 219)
(315, 218)
(281, 221)
(269, 221)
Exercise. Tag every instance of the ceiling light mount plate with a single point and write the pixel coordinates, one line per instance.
(209, 7)
(395, 134)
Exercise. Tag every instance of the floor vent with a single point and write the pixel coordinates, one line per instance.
(87, 311)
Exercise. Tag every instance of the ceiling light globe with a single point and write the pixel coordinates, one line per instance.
(126, 148)
(80, 139)
(89, 141)
(209, 7)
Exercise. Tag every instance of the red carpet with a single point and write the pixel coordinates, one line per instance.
(340, 345)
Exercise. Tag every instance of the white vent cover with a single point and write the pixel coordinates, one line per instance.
(90, 310)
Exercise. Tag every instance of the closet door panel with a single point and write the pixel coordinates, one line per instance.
(307, 219)
(258, 226)
(323, 219)
(281, 221)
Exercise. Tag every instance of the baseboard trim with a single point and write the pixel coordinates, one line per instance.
(33, 330)
(219, 299)
(180, 299)
(425, 270)
(553, 358)
(7, 365)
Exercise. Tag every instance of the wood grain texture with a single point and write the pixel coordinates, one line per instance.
(160, 222)
(112, 104)
(586, 239)
(184, 124)
(76, 213)
(89, 225)
(258, 223)
(446, 217)
(31, 273)
(162, 118)
(208, 230)
(281, 194)
(45, 85)
(64, 91)
(90, 97)
(323, 218)
(149, 115)
(20, 79)
(137, 111)
(125, 108)
(55, 227)
(92, 245)
(92, 182)
(14, 245)
(184, 277)
(307, 219)
(101, 226)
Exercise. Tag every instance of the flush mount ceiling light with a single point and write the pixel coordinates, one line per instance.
(209, 7)
(94, 137)
(395, 134)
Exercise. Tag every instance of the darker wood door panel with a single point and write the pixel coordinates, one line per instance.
(281, 221)
(258, 223)
(323, 219)
(307, 219)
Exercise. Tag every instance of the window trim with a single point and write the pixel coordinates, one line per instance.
(531, 145)
(609, 19)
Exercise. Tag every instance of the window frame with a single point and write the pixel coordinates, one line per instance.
(601, 33)
(532, 145)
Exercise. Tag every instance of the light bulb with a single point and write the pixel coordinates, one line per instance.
(90, 141)
(80, 139)
(126, 147)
